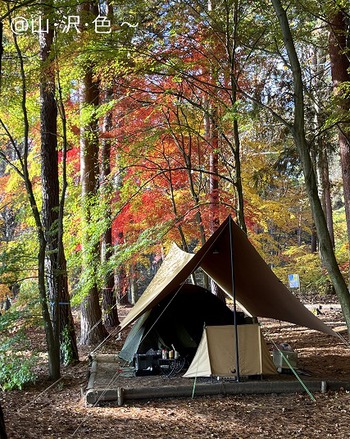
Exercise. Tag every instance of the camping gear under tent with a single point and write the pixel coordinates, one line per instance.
(178, 321)
(250, 280)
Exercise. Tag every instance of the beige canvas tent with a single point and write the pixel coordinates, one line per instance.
(233, 263)
(216, 353)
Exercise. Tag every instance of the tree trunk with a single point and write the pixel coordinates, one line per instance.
(340, 65)
(109, 302)
(238, 183)
(321, 145)
(298, 131)
(214, 172)
(3, 434)
(92, 329)
(213, 138)
(53, 346)
(344, 147)
(121, 285)
(134, 291)
(314, 240)
(56, 273)
(49, 170)
(323, 170)
(231, 52)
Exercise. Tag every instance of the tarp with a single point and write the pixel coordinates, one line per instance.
(257, 288)
(216, 353)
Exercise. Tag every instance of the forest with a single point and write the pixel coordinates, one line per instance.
(128, 125)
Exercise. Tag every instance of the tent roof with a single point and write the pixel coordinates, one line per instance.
(257, 288)
(173, 272)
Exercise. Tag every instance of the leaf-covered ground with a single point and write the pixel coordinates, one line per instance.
(60, 411)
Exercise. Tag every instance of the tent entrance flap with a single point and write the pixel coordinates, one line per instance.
(216, 353)
(134, 339)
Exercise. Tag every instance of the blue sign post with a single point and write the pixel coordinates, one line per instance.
(294, 280)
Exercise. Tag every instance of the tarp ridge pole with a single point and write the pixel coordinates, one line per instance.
(233, 284)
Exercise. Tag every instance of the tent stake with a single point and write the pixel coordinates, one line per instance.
(194, 386)
(234, 297)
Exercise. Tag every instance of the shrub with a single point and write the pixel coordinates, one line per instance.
(16, 358)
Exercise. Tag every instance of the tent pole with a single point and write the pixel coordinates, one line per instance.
(234, 297)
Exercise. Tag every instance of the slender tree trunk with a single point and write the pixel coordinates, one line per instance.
(321, 146)
(52, 341)
(109, 302)
(314, 240)
(298, 131)
(214, 200)
(3, 434)
(92, 329)
(122, 286)
(231, 49)
(133, 285)
(238, 182)
(323, 170)
(340, 67)
(344, 148)
(56, 273)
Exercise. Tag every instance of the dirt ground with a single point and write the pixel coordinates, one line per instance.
(60, 411)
